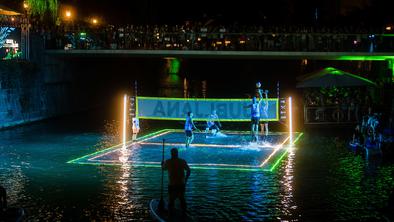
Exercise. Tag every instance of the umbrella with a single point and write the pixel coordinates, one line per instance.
(329, 77)
(6, 11)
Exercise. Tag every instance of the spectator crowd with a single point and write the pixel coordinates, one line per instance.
(209, 36)
(216, 37)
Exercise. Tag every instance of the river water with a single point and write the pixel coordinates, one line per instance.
(319, 180)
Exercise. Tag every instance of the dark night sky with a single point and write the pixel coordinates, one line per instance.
(260, 11)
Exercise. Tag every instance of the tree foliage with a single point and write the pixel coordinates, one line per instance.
(43, 7)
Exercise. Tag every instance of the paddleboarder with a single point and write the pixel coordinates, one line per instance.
(177, 179)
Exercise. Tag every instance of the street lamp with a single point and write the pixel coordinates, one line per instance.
(68, 14)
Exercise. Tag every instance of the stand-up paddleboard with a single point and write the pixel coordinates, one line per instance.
(164, 216)
(155, 212)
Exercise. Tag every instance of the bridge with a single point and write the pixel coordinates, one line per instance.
(222, 54)
(278, 55)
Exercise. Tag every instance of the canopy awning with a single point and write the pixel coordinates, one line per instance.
(7, 11)
(330, 77)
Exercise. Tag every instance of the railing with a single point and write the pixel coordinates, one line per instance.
(311, 42)
(329, 115)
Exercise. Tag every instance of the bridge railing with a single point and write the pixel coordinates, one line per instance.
(315, 42)
(329, 115)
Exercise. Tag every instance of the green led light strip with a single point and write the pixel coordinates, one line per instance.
(284, 154)
(143, 138)
(194, 166)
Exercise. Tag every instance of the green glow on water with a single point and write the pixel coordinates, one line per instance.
(118, 146)
(298, 138)
(175, 65)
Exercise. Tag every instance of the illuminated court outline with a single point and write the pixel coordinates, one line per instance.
(274, 157)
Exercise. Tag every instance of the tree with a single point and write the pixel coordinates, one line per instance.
(43, 7)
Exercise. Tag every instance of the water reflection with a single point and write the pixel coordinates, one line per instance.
(288, 204)
(14, 181)
(318, 180)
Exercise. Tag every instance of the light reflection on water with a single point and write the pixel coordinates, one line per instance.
(317, 180)
(287, 198)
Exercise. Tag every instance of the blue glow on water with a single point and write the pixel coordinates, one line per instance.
(230, 152)
(316, 179)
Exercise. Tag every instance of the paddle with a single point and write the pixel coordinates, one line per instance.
(161, 202)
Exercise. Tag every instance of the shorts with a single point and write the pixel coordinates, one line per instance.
(188, 133)
(255, 120)
(176, 188)
(176, 191)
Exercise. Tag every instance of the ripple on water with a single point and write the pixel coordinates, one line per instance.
(319, 180)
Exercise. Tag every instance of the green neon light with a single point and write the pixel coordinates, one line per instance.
(117, 146)
(298, 137)
(334, 71)
(284, 154)
(93, 154)
(365, 57)
(391, 66)
(279, 160)
(153, 134)
(371, 58)
(193, 166)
